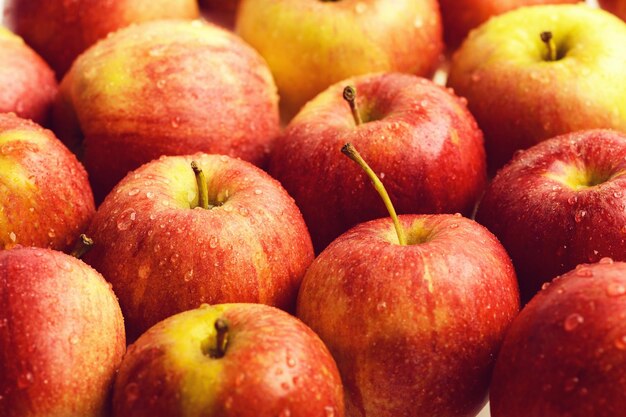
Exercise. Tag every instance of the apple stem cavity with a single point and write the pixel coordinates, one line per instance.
(83, 246)
(547, 38)
(203, 192)
(350, 151)
(349, 95)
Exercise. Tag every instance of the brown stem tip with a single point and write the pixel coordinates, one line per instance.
(221, 327)
(547, 38)
(203, 192)
(349, 95)
(83, 246)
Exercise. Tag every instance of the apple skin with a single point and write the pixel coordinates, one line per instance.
(420, 138)
(565, 354)
(520, 99)
(461, 16)
(28, 83)
(331, 41)
(414, 329)
(617, 7)
(45, 199)
(60, 30)
(61, 336)
(164, 255)
(273, 366)
(559, 204)
(166, 88)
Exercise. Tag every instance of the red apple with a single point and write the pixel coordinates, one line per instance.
(61, 336)
(221, 12)
(244, 360)
(310, 45)
(559, 204)
(565, 354)
(617, 7)
(45, 199)
(165, 253)
(461, 16)
(524, 87)
(27, 84)
(416, 135)
(60, 30)
(166, 88)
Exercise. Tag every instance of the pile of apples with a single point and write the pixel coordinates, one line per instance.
(268, 208)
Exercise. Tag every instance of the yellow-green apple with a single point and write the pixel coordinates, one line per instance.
(243, 360)
(27, 84)
(169, 240)
(416, 135)
(559, 204)
(310, 45)
(61, 336)
(414, 318)
(461, 16)
(565, 354)
(60, 30)
(524, 87)
(166, 88)
(45, 199)
(617, 7)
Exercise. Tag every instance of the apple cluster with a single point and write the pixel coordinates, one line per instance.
(312, 208)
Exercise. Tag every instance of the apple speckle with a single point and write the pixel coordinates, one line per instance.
(572, 322)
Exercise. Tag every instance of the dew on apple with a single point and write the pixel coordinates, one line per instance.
(572, 322)
(74, 339)
(258, 192)
(25, 380)
(615, 289)
(579, 216)
(620, 342)
(51, 233)
(133, 192)
(127, 217)
(213, 242)
(570, 384)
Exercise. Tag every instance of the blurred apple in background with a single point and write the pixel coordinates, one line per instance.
(221, 12)
(520, 96)
(60, 30)
(27, 84)
(617, 7)
(310, 45)
(61, 336)
(243, 360)
(565, 354)
(461, 16)
(166, 88)
(559, 204)
(45, 199)
(164, 252)
(417, 136)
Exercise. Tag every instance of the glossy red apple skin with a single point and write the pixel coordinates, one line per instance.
(565, 354)
(422, 142)
(183, 87)
(28, 83)
(163, 256)
(274, 365)
(60, 30)
(45, 198)
(547, 226)
(461, 16)
(414, 329)
(617, 7)
(61, 336)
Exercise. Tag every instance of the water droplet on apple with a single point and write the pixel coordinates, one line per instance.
(228, 404)
(615, 289)
(454, 225)
(291, 362)
(126, 219)
(25, 380)
(583, 271)
(3, 322)
(244, 211)
(578, 217)
(74, 339)
(606, 260)
(617, 194)
(572, 322)
(161, 83)
(175, 122)
(51, 233)
(382, 306)
(132, 393)
(418, 23)
(572, 200)
(360, 8)
(188, 275)
(329, 410)
(12, 237)
(570, 384)
(286, 412)
(165, 203)
(620, 342)
(258, 192)
(213, 241)
(133, 192)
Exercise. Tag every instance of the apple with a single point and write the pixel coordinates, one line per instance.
(28, 83)
(416, 135)
(461, 16)
(244, 360)
(521, 96)
(414, 318)
(565, 354)
(617, 7)
(60, 30)
(310, 45)
(169, 240)
(45, 199)
(166, 88)
(559, 204)
(61, 336)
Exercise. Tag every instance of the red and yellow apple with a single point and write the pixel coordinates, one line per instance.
(60, 30)
(61, 336)
(45, 199)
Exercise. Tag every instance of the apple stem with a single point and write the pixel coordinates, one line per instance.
(221, 327)
(350, 151)
(83, 246)
(203, 192)
(546, 37)
(349, 95)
